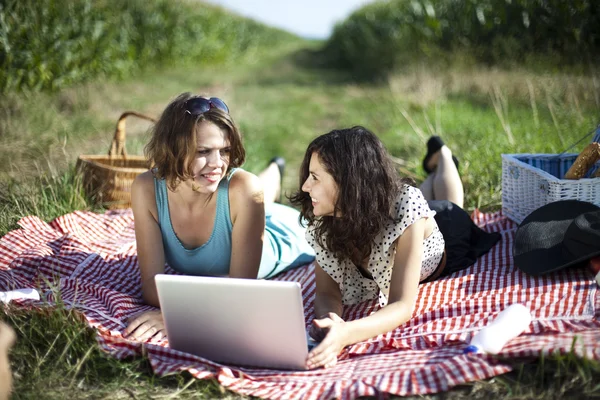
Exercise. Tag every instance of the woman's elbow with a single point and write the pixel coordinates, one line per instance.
(405, 310)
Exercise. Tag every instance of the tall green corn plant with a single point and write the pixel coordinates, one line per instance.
(376, 39)
(382, 36)
(51, 44)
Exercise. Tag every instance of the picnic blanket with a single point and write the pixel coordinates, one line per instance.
(91, 259)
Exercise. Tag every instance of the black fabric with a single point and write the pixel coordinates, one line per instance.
(434, 144)
(280, 162)
(465, 241)
(557, 235)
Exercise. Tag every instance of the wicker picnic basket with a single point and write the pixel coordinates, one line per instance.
(530, 181)
(107, 179)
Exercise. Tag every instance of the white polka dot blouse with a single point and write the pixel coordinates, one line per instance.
(410, 207)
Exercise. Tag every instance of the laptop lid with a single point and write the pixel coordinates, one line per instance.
(238, 321)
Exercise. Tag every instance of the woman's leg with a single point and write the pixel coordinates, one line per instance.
(285, 246)
(427, 187)
(444, 182)
(271, 180)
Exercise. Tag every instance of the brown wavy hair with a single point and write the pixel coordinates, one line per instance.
(173, 145)
(367, 188)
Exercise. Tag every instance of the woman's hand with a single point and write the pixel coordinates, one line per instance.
(145, 326)
(334, 331)
(318, 333)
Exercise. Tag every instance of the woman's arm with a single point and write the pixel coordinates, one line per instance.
(248, 219)
(151, 258)
(328, 297)
(401, 301)
(403, 288)
(328, 304)
(150, 251)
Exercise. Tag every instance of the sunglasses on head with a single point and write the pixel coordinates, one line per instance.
(200, 105)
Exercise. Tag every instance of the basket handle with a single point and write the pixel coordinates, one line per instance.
(117, 147)
(596, 138)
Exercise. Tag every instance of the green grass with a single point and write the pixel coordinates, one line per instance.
(56, 357)
(281, 100)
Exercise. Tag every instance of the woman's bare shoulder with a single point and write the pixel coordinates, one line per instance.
(144, 181)
(245, 184)
(142, 192)
(245, 193)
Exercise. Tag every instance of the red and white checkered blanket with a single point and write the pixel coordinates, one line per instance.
(92, 259)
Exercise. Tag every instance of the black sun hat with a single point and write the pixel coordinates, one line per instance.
(557, 235)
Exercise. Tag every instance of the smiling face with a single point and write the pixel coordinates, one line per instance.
(321, 187)
(211, 159)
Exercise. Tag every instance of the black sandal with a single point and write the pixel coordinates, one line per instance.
(434, 144)
(280, 162)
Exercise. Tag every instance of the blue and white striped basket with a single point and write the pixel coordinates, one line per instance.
(530, 181)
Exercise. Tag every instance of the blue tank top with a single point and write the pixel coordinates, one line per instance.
(214, 256)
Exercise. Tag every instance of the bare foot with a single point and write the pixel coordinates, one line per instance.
(271, 180)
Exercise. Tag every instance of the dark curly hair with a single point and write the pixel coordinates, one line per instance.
(367, 188)
(172, 147)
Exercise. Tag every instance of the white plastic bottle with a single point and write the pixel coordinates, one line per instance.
(509, 324)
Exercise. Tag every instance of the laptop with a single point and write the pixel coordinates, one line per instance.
(247, 322)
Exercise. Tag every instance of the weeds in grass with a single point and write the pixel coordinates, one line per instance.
(557, 376)
(56, 356)
(550, 104)
(534, 110)
(47, 196)
(500, 104)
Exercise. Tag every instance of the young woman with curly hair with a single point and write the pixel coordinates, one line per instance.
(376, 236)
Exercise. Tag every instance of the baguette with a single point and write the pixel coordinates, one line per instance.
(584, 161)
